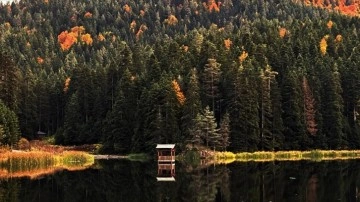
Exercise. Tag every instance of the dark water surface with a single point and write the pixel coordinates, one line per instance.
(122, 180)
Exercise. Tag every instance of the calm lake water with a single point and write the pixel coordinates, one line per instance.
(122, 180)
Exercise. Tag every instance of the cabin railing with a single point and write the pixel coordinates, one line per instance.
(166, 167)
(166, 158)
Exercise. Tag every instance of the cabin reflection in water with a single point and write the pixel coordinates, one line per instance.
(166, 162)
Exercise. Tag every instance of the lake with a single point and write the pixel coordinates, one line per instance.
(123, 180)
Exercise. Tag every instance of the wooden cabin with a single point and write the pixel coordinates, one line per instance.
(166, 162)
(166, 152)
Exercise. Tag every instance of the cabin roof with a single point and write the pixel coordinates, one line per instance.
(40, 133)
(166, 179)
(165, 146)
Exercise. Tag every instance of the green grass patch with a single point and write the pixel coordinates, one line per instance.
(139, 157)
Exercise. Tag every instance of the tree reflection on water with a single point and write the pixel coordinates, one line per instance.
(122, 180)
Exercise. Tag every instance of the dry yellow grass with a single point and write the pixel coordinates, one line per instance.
(314, 155)
(37, 163)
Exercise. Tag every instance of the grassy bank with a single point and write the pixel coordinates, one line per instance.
(35, 163)
(314, 155)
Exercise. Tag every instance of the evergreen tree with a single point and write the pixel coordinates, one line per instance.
(332, 106)
(266, 109)
(192, 105)
(294, 129)
(243, 108)
(224, 132)
(205, 131)
(9, 126)
(9, 81)
(211, 79)
(120, 122)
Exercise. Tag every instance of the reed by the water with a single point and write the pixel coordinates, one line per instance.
(313, 155)
(31, 163)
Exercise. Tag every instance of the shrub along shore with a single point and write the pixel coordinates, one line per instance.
(314, 155)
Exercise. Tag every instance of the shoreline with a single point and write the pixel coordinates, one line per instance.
(263, 156)
(105, 156)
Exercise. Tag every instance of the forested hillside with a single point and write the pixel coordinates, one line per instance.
(238, 75)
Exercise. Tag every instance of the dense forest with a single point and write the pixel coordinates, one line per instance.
(231, 75)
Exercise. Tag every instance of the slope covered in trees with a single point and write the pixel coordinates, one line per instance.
(237, 75)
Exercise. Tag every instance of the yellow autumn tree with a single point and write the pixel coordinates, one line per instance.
(179, 94)
(323, 46)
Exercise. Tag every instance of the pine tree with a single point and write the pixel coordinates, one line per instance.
(9, 81)
(9, 126)
(332, 106)
(244, 108)
(266, 109)
(211, 80)
(224, 132)
(192, 105)
(294, 129)
(204, 130)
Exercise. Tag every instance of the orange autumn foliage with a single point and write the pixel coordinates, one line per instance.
(101, 37)
(338, 38)
(329, 24)
(243, 56)
(67, 84)
(88, 15)
(127, 8)
(133, 26)
(179, 94)
(185, 48)
(39, 60)
(344, 7)
(67, 39)
(140, 32)
(78, 30)
(86, 38)
(171, 20)
(227, 43)
(282, 32)
(212, 6)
